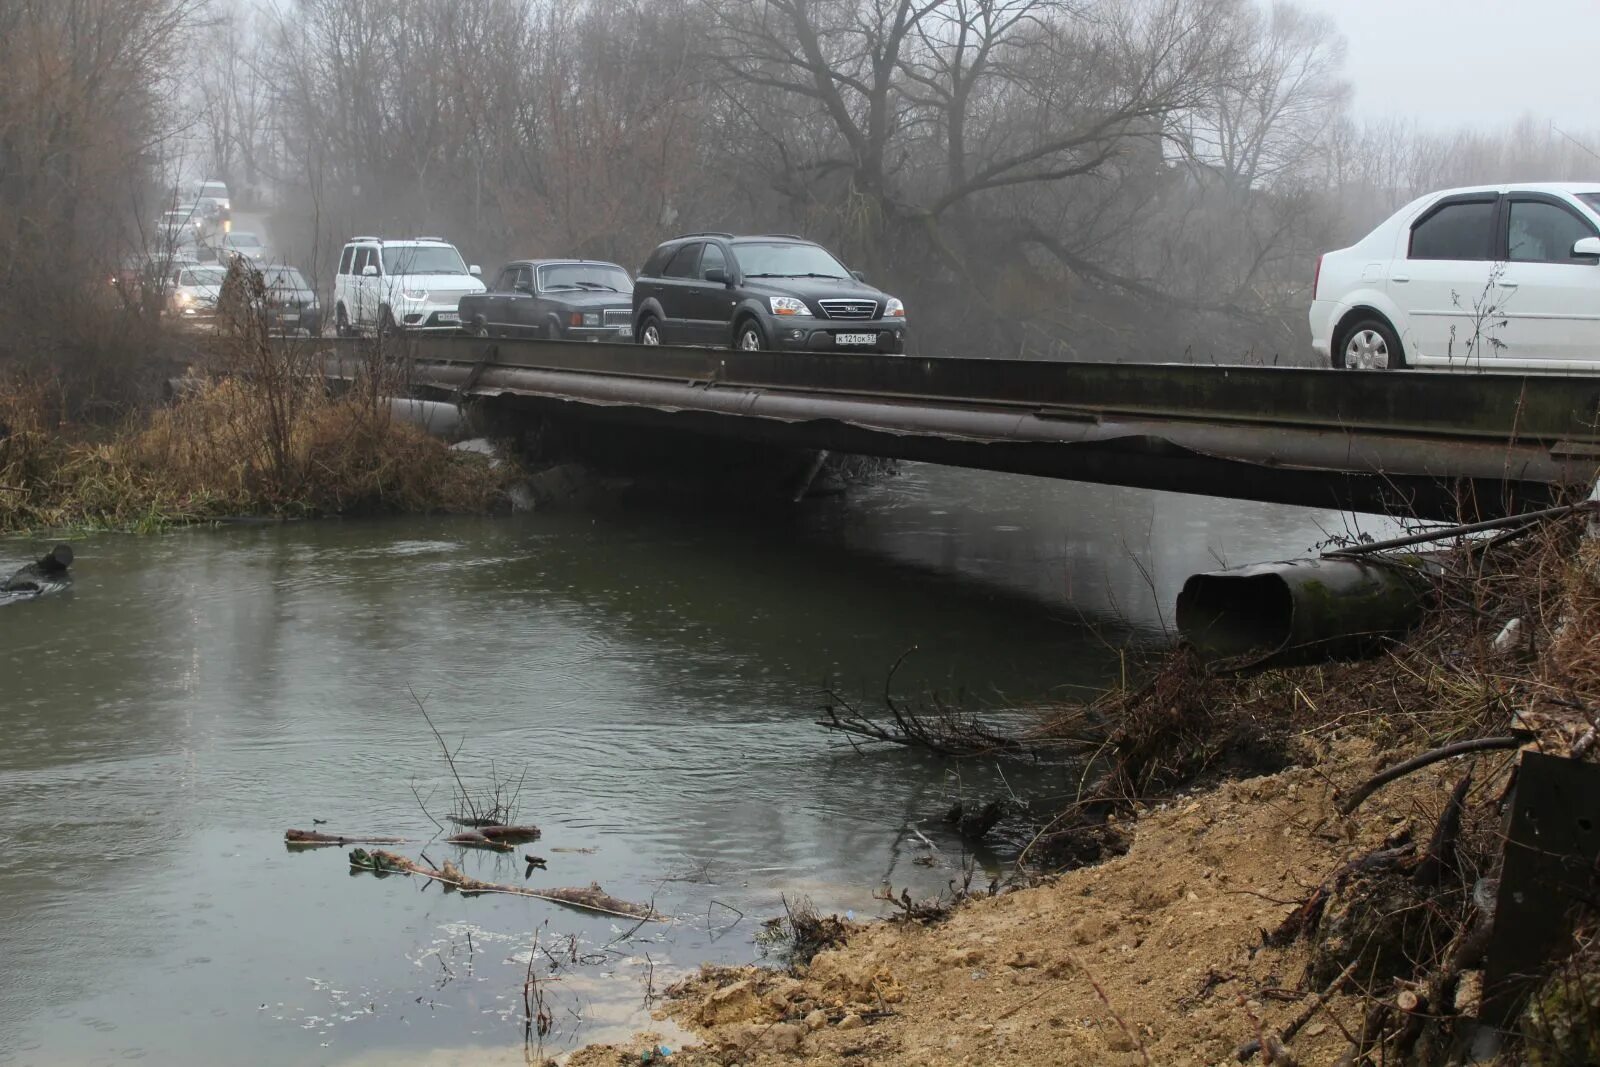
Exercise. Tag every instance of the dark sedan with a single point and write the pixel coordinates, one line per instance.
(554, 299)
(289, 305)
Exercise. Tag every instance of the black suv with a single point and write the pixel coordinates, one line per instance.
(776, 291)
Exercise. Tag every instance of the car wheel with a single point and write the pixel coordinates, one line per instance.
(649, 332)
(749, 337)
(341, 322)
(479, 328)
(1370, 344)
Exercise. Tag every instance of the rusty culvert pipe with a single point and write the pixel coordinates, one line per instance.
(1303, 609)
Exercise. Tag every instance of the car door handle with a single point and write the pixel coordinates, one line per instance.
(1502, 283)
(1401, 278)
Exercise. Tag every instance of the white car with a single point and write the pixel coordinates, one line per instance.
(193, 291)
(410, 284)
(1503, 277)
(211, 192)
(243, 243)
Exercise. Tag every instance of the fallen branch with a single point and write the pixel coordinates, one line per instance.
(1248, 1050)
(511, 835)
(1441, 854)
(317, 839)
(591, 899)
(475, 839)
(1416, 763)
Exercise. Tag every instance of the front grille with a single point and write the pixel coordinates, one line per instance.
(617, 317)
(849, 309)
(448, 296)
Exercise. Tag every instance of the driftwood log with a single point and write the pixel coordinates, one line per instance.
(592, 898)
(496, 838)
(317, 839)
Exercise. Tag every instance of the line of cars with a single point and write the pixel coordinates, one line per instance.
(771, 291)
(184, 272)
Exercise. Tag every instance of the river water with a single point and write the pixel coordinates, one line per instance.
(650, 674)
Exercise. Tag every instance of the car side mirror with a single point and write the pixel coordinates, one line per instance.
(717, 275)
(475, 270)
(1588, 247)
(369, 271)
(858, 276)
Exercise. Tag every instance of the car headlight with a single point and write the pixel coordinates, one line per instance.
(183, 299)
(788, 305)
(894, 309)
(414, 294)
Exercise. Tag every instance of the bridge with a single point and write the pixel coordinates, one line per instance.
(1431, 445)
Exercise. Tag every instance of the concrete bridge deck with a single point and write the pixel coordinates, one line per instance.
(1431, 445)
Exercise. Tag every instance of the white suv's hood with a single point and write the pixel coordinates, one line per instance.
(444, 283)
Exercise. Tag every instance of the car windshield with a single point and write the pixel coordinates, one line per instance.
(787, 260)
(1592, 199)
(202, 276)
(216, 189)
(285, 278)
(596, 277)
(243, 239)
(422, 259)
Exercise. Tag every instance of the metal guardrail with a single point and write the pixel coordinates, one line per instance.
(1436, 444)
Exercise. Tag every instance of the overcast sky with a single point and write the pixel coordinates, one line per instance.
(1472, 62)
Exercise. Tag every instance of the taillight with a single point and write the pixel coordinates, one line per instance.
(576, 318)
(1316, 278)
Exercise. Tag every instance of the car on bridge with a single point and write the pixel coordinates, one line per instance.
(192, 292)
(1502, 277)
(554, 299)
(389, 285)
(775, 291)
(243, 243)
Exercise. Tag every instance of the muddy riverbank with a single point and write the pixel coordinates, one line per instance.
(1330, 913)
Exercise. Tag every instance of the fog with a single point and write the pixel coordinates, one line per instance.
(1470, 62)
(1050, 179)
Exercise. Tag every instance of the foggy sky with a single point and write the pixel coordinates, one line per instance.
(1451, 63)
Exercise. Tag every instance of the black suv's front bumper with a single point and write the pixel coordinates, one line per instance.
(824, 335)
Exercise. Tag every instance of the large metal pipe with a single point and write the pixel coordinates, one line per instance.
(1302, 609)
(433, 416)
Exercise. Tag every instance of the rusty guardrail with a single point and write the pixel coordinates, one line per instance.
(1442, 446)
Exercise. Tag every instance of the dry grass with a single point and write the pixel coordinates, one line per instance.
(226, 450)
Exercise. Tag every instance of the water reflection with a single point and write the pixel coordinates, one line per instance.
(655, 670)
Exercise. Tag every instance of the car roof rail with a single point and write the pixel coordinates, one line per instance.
(703, 233)
(364, 237)
(790, 236)
(439, 239)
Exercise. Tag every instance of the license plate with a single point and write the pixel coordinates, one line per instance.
(855, 339)
(449, 316)
(291, 316)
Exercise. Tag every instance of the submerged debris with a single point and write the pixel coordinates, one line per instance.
(318, 839)
(592, 898)
(48, 574)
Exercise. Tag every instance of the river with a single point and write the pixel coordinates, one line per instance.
(649, 673)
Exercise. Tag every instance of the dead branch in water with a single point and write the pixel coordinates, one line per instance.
(942, 731)
(317, 839)
(593, 898)
(494, 808)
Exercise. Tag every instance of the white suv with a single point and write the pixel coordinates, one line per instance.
(1494, 277)
(410, 284)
